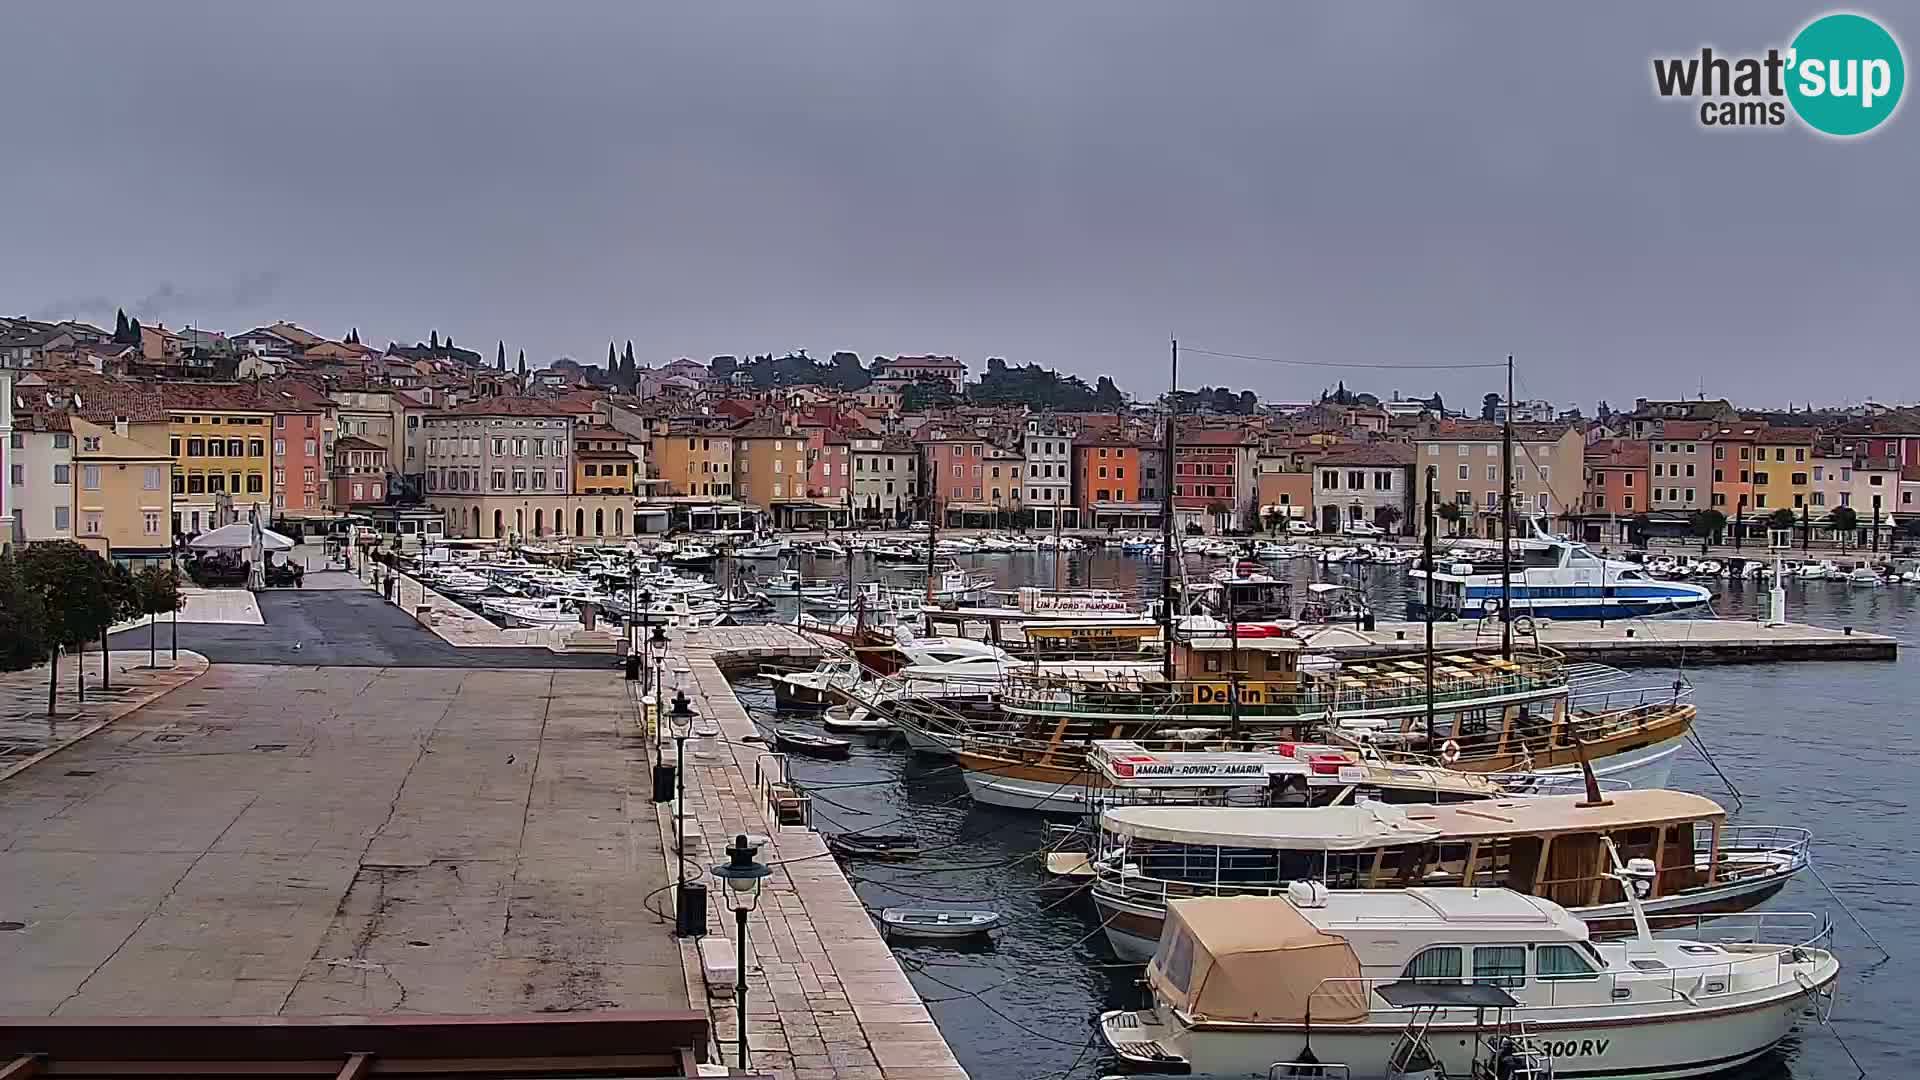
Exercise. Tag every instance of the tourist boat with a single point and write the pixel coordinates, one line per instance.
(830, 680)
(1245, 592)
(937, 923)
(1556, 578)
(1241, 983)
(795, 741)
(1491, 715)
(1551, 846)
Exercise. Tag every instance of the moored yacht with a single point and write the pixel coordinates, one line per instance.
(1240, 983)
(1553, 578)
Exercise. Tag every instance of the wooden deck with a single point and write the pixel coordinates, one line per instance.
(1639, 642)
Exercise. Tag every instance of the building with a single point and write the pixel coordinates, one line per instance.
(1649, 416)
(1047, 445)
(602, 463)
(1549, 468)
(301, 451)
(123, 489)
(1680, 468)
(955, 471)
(9, 531)
(1782, 469)
(912, 369)
(359, 473)
(1370, 482)
(885, 476)
(1285, 494)
(770, 472)
(219, 439)
(1618, 487)
(695, 458)
(500, 467)
(1844, 475)
(40, 473)
(1106, 482)
(1216, 478)
(1537, 411)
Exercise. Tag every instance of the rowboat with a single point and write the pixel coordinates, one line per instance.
(805, 742)
(847, 724)
(887, 847)
(934, 923)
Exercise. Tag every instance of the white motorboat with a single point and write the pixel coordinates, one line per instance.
(555, 611)
(773, 549)
(828, 549)
(1240, 983)
(1865, 577)
(1559, 579)
(789, 583)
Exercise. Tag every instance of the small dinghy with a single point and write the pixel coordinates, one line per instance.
(933, 923)
(846, 724)
(805, 742)
(888, 847)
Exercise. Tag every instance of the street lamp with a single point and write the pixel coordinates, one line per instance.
(742, 874)
(680, 718)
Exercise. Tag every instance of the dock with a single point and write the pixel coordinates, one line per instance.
(826, 999)
(1630, 643)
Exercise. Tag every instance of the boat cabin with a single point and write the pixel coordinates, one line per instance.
(1287, 774)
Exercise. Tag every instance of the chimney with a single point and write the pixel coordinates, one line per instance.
(120, 426)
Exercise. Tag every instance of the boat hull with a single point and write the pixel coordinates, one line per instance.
(1665, 1041)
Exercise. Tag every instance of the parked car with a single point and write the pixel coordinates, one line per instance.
(1363, 528)
(1301, 527)
(921, 526)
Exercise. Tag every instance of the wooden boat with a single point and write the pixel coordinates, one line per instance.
(886, 847)
(937, 924)
(805, 742)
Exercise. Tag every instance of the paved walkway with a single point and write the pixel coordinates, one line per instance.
(28, 734)
(317, 841)
(826, 998)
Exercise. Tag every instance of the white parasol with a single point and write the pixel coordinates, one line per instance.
(239, 535)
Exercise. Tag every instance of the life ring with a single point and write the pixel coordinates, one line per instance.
(1449, 753)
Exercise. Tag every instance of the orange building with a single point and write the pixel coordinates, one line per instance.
(1107, 481)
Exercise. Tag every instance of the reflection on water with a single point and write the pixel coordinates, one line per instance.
(1823, 745)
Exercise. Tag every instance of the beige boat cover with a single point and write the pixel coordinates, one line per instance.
(1254, 959)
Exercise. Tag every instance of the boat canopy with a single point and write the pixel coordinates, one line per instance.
(1243, 959)
(1372, 824)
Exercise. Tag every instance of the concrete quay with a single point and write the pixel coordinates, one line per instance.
(1630, 643)
(826, 998)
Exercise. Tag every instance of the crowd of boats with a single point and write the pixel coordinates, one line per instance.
(1465, 863)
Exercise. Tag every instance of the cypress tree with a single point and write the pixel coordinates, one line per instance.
(523, 363)
(500, 355)
(613, 362)
(433, 339)
(120, 325)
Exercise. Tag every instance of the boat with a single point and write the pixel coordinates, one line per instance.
(789, 583)
(772, 549)
(1865, 577)
(1555, 847)
(1553, 578)
(885, 847)
(895, 553)
(1491, 715)
(935, 923)
(547, 611)
(840, 720)
(828, 549)
(694, 557)
(1240, 983)
(795, 741)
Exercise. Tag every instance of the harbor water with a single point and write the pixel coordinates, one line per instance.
(1824, 745)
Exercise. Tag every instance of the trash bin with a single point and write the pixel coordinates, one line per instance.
(663, 780)
(690, 913)
(633, 667)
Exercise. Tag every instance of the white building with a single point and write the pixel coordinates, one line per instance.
(1049, 481)
(40, 477)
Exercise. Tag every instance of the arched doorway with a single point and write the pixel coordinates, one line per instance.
(599, 523)
(539, 523)
(476, 523)
(498, 523)
(618, 516)
(580, 522)
(520, 522)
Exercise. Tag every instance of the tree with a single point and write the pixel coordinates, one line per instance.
(629, 371)
(1706, 524)
(1490, 407)
(613, 359)
(1107, 397)
(500, 355)
(1449, 513)
(1843, 520)
(23, 619)
(1390, 516)
(120, 326)
(133, 331)
(523, 363)
(1638, 529)
(156, 590)
(71, 584)
(433, 340)
(1604, 412)
(1780, 519)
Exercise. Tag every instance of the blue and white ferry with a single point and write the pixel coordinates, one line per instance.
(1553, 578)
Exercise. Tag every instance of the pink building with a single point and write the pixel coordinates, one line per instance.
(955, 472)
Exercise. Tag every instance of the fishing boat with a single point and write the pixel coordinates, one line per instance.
(789, 583)
(884, 847)
(1490, 714)
(1555, 578)
(1688, 861)
(937, 924)
(1240, 983)
(795, 741)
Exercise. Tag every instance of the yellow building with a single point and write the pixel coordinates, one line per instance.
(1782, 470)
(602, 464)
(769, 463)
(219, 440)
(122, 490)
(693, 461)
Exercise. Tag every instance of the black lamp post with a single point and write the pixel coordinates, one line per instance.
(742, 874)
(680, 718)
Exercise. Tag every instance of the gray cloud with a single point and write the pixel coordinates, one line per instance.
(1062, 183)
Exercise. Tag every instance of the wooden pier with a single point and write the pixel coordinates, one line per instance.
(1631, 643)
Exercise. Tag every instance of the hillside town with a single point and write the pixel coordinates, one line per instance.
(133, 440)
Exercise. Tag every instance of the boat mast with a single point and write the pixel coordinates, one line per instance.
(933, 511)
(1506, 522)
(1170, 551)
(1433, 473)
(1057, 568)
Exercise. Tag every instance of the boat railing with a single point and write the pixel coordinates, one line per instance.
(1334, 1071)
(1789, 841)
(1731, 970)
(1120, 697)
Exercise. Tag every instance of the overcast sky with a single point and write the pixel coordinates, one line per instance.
(1057, 183)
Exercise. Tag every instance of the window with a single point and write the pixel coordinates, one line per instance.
(1462, 498)
(1461, 449)
(90, 477)
(1500, 965)
(1120, 473)
(1562, 962)
(1779, 453)
(62, 518)
(1626, 502)
(1846, 498)
(236, 448)
(1874, 480)
(499, 480)
(1599, 500)
(1629, 479)
(62, 474)
(1356, 480)
(1540, 503)
(1846, 474)
(1656, 469)
(1799, 453)
(1719, 453)
(1760, 501)
(1799, 478)
(196, 447)
(1689, 494)
(1799, 501)
(61, 440)
(256, 448)
(1758, 478)
(1439, 964)
(1464, 474)
(1689, 468)
(255, 483)
(153, 522)
(196, 484)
